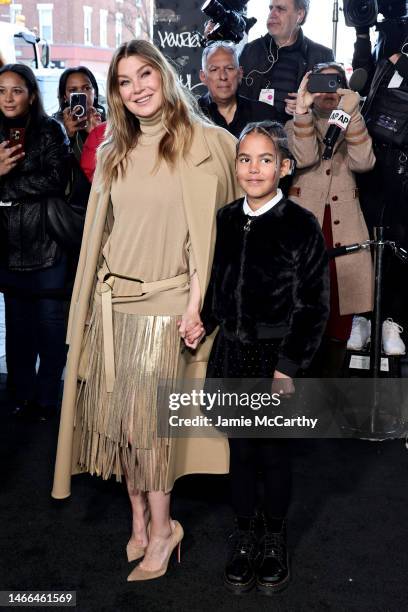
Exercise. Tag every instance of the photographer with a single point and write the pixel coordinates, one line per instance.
(222, 74)
(384, 191)
(327, 187)
(275, 64)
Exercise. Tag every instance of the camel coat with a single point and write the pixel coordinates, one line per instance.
(319, 182)
(208, 182)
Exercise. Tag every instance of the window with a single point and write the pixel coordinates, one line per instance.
(87, 25)
(118, 29)
(103, 28)
(15, 9)
(45, 21)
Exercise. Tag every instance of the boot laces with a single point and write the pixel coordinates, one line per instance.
(273, 545)
(244, 543)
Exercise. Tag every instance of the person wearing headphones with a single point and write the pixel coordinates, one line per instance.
(275, 63)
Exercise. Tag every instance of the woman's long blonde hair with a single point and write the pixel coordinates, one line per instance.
(180, 112)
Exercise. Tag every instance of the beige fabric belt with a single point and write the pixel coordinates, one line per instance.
(137, 288)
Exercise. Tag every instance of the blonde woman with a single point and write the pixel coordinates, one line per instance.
(161, 175)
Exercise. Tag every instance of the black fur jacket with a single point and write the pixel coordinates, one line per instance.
(270, 280)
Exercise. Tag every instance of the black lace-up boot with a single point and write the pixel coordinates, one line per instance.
(273, 567)
(239, 575)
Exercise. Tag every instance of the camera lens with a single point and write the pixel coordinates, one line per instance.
(333, 84)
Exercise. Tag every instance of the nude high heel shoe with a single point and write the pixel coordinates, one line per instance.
(135, 552)
(175, 541)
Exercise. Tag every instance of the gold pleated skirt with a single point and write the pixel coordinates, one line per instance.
(119, 429)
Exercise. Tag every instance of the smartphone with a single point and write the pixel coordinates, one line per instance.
(324, 83)
(77, 102)
(17, 137)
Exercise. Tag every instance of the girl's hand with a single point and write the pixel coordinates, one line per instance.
(282, 384)
(191, 328)
(71, 123)
(9, 157)
(304, 98)
(94, 119)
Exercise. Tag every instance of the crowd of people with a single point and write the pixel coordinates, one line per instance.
(205, 238)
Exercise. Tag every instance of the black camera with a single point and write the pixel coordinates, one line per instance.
(364, 13)
(230, 23)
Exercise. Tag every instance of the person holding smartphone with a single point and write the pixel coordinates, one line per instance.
(33, 158)
(79, 112)
(327, 187)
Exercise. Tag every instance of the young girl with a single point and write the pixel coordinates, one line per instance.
(268, 294)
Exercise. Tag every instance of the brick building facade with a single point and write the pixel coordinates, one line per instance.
(84, 31)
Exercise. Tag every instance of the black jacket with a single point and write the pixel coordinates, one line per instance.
(24, 240)
(270, 281)
(286, 74)
(247, 111)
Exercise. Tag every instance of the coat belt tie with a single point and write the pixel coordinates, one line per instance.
(105, 289)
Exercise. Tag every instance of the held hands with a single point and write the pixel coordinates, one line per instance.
(282, 384)
(9, 157)
(74, 124)
(191, 328)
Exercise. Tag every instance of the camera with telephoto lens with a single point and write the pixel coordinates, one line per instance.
(230, 22)
(364, 13)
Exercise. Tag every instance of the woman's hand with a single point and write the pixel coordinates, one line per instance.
(94, 119)
(282, 384)
(191, 328)
(304, 98)
(71, 123)
(349, 100)
(9, 157)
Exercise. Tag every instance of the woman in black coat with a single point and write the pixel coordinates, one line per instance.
(33, 268)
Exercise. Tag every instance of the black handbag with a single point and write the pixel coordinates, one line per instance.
(65, 223)
(388, 120)
(385, 109)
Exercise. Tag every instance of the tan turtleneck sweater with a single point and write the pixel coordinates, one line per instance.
(149, 239)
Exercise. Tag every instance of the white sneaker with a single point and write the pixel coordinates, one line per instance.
(360, 334)
(391, 340)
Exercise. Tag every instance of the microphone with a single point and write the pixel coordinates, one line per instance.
(339, 120)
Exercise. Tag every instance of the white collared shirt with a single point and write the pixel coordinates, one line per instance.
(257, 213)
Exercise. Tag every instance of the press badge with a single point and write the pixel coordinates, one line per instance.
(268, 96)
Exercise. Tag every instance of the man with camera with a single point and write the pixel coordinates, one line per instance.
(384, 191)
(222, 74)
(275, 64)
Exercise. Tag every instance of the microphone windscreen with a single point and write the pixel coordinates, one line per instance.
(358, 79)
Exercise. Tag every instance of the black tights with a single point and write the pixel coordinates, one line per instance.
(271, 457)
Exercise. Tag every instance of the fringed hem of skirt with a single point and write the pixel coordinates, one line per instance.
(119, 429)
